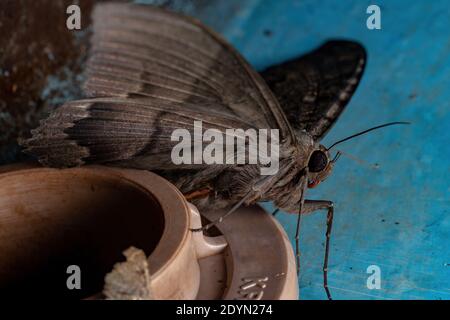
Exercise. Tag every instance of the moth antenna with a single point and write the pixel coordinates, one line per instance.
(336, 157)
(368, 130)
(220, 219)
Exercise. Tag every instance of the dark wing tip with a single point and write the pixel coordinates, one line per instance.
(70, 155)
(51, 145)
(314, 89)
(345, 43)
(344, 47)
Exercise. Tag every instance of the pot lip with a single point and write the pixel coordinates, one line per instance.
(174, 207)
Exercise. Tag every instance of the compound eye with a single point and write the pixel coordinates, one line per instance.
(318, 161)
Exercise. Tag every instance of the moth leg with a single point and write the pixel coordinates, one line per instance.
(198, 194)
(314, 205)
(220, 219)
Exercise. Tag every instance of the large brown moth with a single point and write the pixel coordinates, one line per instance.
(152, 71)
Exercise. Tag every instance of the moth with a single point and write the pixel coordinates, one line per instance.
(152, 71)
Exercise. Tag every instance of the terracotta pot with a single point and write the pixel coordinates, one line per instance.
(51, 219)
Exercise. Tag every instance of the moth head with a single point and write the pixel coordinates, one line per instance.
(320, 166)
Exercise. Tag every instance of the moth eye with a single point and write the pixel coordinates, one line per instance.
(318, 161)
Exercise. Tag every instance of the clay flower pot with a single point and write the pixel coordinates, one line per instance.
(51, 219)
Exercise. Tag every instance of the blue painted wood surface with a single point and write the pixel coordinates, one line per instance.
(395, 216)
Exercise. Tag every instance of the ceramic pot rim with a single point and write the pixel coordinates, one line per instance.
(174, 207)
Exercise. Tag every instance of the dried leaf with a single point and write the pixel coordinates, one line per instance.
(129, 280)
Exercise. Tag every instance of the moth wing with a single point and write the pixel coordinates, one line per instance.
(127, 132)
(150, 72)
(149, 52)
(314, 89)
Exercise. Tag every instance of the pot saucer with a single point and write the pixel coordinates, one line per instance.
(258, 263)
